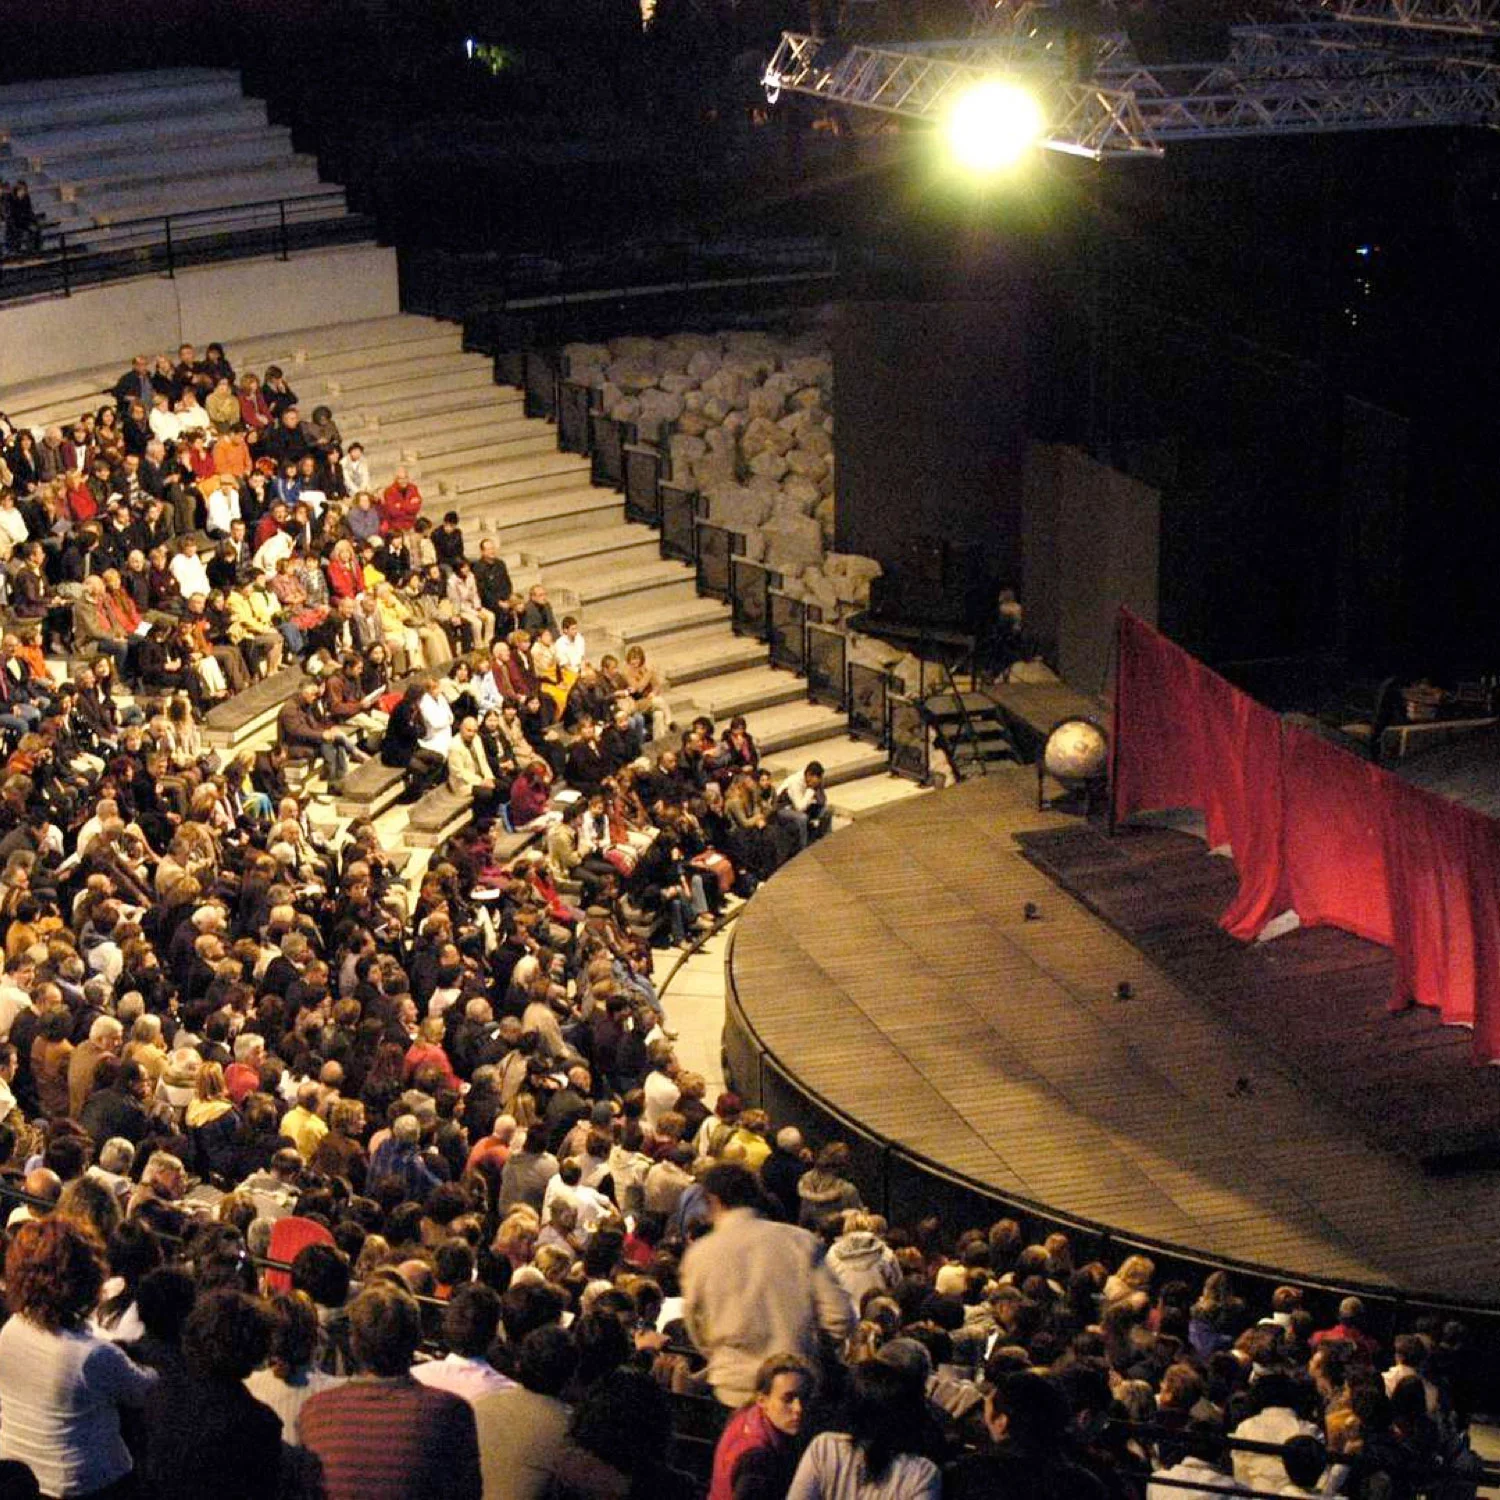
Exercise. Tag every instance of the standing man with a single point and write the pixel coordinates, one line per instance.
(753, 1288)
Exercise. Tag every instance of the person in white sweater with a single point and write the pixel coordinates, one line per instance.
(753, 1288)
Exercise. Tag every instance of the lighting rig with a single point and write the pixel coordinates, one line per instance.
(1322, 66)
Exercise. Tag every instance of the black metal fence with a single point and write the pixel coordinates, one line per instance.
(868, 690)
(786, 624)
(163, 244)
(643, 483)
(906, 738)
(825, 654)
(607, 439)
(574, 400)
(716, 545)
(679, 522)
(750, 584)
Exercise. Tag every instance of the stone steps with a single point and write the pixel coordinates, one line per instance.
(115, 146)
(623, 545)
(854, 799)
(203, 195)
(328, 344)
(406, 369)
(843, 760)
(94, 174)
(420, 435)
(110, 97)
(723, 696)
(598, 586)
(337, 364)
(462, 447)
(700, 654)
(493, 479)
(14, 95)
(789, 726)
(528, 515)
(45, 144)
(397, 386)
(433, 405)
(631, 623)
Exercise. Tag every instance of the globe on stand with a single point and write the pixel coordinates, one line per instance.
(1076, 756)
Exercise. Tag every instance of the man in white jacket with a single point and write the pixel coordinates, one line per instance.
(753, 1288)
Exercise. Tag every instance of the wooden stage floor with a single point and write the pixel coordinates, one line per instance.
(891, 970)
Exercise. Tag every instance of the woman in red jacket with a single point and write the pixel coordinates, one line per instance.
(346, 578)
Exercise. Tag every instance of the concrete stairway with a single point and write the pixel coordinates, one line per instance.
(110, 148)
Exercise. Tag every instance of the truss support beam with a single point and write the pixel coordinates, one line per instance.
(1301, 82)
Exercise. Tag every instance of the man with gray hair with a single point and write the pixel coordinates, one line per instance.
(116, 1158)
(242, 1076)
(782, 1170)
(104, 1039)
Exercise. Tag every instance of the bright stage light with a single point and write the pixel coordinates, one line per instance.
(993, 125)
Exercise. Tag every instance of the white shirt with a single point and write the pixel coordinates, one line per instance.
(437, 719)
(191, 575)
(223, 507)
(356, 474)
(287, 1397)
(272, 550)
(1192, 1471)
(192, 419)
(13, 1000)
(569, 651)
(661, 1095)
(833, 1469)
(1276, 1424)
(164, 425)
(462, 1376)
(13, 524)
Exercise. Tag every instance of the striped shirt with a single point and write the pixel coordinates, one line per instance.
(393, 1439)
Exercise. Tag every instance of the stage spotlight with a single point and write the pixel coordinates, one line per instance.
(993, 125)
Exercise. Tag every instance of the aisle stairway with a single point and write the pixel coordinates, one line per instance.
(110, 148)
(404, 388)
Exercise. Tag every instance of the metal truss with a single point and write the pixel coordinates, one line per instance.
(1299, 79)
(1459, 17)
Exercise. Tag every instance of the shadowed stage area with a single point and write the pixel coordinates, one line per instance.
(1316, 998)
(891, 972)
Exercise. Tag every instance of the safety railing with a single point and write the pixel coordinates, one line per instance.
(869, 688)
(786, 627)
(716, 545)
(71, 260)
(825, 655)
(750, 584)
(607, 439)
(679, 522)
(574, 430)
(643, 483)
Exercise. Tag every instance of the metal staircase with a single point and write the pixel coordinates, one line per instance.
(968, 727)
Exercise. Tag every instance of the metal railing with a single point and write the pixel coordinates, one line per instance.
(716, 545)
(786, 624)
(750, 584)
(678, 507)
(643, 483)
(163, 244)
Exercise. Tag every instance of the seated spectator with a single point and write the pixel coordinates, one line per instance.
(387, 1437)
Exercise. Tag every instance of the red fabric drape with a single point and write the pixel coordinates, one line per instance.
(1184, 737)
(1333, 837)
(1312, 827)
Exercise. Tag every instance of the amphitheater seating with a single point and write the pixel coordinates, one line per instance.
(111, 148)
(404, 388)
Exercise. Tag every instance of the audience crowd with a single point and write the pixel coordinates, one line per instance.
(324, 1183)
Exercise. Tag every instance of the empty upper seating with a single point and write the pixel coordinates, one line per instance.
(108, 149)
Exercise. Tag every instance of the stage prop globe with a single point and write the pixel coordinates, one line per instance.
(1076, 756)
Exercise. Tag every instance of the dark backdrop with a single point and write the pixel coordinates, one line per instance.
(931, 433)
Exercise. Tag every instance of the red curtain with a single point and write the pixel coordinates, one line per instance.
(1315, 828)
(1333, 837)
(1184, 737)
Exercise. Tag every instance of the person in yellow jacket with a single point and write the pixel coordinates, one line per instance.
(252, 624)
